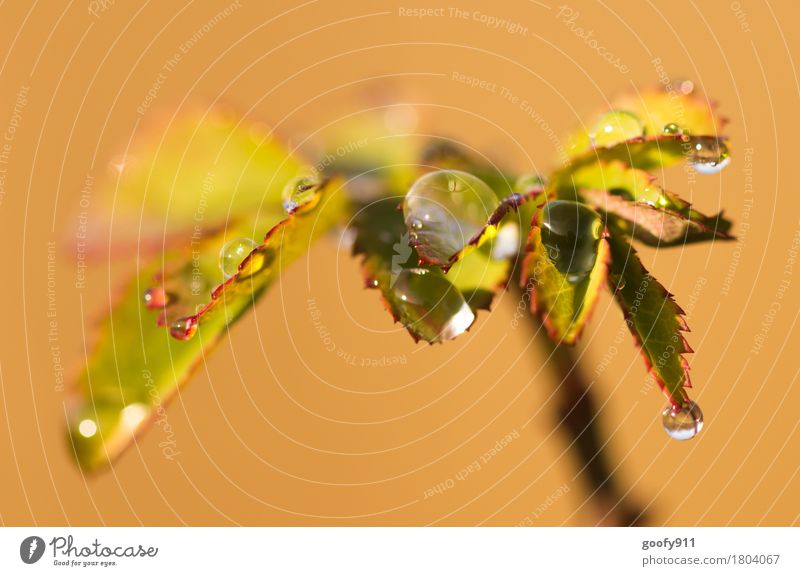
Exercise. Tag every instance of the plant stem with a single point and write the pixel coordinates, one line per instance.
(578, 418)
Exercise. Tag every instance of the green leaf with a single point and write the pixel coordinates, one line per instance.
(654, 216)
(653, 317)
(137, 367)
(565, 275)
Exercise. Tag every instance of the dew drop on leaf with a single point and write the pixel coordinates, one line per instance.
(708, 155)
(299, 192)
(617, 281)
(233, 253)
(684, 422)
(155, 298)
(183, 328)
(570, 233)
(672, 128)
(444, 210)
(615, 127)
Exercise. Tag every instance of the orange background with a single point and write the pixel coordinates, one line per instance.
(274, 429)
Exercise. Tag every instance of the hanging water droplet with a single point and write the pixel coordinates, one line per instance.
(183, 328)
(155, 298)
(570, 234)
(708, 155)
(232, 254)
(416, 224)
(683, 422)
(672, 128)
(616, 126)
(437, 307)
(299, 192)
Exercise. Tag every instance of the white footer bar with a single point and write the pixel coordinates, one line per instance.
(401, 551)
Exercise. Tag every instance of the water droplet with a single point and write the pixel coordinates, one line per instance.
(653, 195)
(506, 243)
(445, 209)
(87, 427)
(707, 154)
(686, 87)
(299, 192)
(616, 126)
(437, 306)
(233, 253)
(371, 283)
(183, 328)
(617, 281)
(570, 234)
(672, 128)
(684, 422)
(155, 298)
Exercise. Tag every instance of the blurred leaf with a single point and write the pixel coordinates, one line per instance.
(203, 167)
(654, 115)
(137, 367)
(653, 317)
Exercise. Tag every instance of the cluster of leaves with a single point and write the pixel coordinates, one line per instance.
(464, 231)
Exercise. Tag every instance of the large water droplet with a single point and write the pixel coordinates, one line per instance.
(707, 154)
(444, 210)
(616, 126)
(299, 192)
(684, 422)
(672, 128)
(183, 328)
(437, 306)
(232, 254)
(570, 234)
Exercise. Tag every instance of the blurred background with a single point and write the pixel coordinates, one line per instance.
(275, 428)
